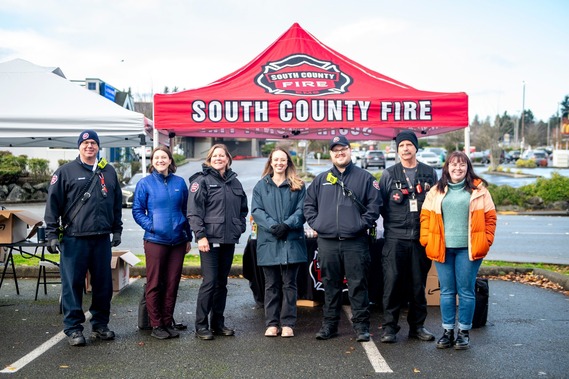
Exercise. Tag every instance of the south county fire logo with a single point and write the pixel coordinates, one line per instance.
(303, 75)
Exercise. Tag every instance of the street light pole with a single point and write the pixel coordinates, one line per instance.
(523, 111)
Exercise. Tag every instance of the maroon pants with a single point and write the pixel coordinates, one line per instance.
(163, 272)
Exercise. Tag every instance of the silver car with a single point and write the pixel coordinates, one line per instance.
(429, 158)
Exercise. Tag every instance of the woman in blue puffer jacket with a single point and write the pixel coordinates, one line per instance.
(160, 208)
(277, 208)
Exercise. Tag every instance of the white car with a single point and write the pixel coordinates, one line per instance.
(429, 158)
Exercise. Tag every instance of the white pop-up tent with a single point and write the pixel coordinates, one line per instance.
(39, 107)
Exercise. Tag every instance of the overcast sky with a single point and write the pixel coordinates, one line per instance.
(487, 49)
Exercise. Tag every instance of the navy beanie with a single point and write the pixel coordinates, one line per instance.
(407, 135)
(88, 134)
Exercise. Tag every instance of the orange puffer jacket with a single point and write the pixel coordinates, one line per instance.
(481, 224)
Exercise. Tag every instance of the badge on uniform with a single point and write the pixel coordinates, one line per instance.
(413, 205)
(397, 196)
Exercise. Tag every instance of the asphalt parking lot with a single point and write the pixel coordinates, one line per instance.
(525, 338)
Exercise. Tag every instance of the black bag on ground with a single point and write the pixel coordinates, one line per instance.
(143, 319)
(482, 292)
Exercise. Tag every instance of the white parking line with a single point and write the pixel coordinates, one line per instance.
(374, 356)
(20, 363)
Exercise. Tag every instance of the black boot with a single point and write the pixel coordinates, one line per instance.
(446, 340)
(462, 340)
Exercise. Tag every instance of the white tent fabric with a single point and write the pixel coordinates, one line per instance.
(39, 107)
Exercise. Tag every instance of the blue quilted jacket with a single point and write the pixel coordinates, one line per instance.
(160, 208)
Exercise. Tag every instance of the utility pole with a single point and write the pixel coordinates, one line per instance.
(523, 112)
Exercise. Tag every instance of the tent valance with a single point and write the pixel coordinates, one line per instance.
(300, 88)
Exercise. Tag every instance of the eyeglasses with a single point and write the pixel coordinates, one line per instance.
(342, 150)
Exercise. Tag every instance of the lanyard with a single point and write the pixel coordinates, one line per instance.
(103, 185)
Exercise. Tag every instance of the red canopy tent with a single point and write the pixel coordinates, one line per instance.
(300, 88)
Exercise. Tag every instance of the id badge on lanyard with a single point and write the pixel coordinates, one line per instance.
(413, 204)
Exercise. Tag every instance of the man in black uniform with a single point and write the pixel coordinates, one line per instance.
(84, 206)
(341, 205)
(405, 264)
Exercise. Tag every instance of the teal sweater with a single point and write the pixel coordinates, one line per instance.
(455, 209)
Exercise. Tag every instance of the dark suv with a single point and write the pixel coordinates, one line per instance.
(373, 158)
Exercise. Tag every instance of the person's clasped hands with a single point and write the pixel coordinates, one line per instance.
(280, 230)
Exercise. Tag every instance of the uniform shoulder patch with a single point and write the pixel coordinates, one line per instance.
(53, 180)
(194, 187)
(376, 185)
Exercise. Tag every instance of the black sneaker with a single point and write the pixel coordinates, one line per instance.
(326, 332)
(76, 339)
(160, 332)
(179, 325)
(362, 336)
(223, 331)
(204, 334)
(172, 332)
(103, 333)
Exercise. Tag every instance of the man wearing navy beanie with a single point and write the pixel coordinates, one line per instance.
(405, 265)
(83, 210)
(86, 135)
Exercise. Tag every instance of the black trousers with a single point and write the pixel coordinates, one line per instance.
(405, 269)
(350, 259)
(212, 295)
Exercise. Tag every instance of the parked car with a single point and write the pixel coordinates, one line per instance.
(128, 190)
(391, 155)
(538, 156)
(373, 158)
(430, 158)
(512, 156)
(356, 156)
(442, 153)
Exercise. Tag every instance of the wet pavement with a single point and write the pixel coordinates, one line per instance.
(525, 338)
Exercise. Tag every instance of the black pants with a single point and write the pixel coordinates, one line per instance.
(405, 269)
(350, 259)
(212, 295)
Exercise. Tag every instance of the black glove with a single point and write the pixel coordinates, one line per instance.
(116, 239)
(53, 246)
(280, 231)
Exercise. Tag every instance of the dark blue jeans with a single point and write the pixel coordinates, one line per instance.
(350, 259)
(280, 294)
(77, 256)
(212, 295)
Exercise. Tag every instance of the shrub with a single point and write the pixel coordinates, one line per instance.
(61, 162)
(526, 163)
(39, 168)
(554, 189)
(506, 195)
(178, 159)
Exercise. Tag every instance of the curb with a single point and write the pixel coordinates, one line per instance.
(237, 271)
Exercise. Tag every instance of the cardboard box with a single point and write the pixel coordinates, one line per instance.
(432, 291)
(433, 270)
(120, 264)
(14, 225)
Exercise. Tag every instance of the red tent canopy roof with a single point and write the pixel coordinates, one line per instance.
(300, 88)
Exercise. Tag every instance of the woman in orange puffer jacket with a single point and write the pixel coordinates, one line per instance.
(458, 221)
